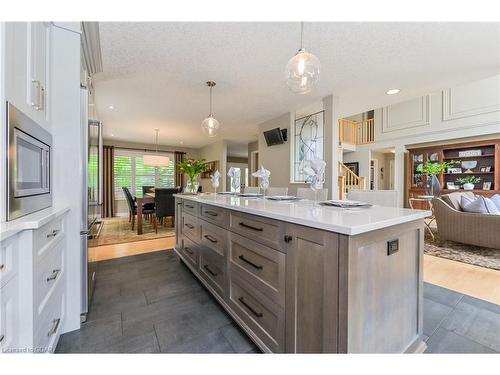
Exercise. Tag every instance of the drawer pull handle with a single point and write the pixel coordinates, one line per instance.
(251, 227)
(189, 206)
(54, 275)
(189, 226)
(210, 238)
(2, 337)
(249, 262)
(211, 213)
(55, 326)
(189, 250)
(250, 308)
(209, 270)
(2, 266)
(53, 233)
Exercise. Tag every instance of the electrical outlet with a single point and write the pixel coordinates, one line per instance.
(392, 246)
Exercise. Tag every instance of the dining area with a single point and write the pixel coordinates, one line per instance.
(155, 205)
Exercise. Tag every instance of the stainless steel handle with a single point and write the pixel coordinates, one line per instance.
(53, 233)
(251, 227)
(41, 98)
(188, 250)
(189, 226)
(2, 266)
(55, 326)
(209, 270)
(249, 262)
(211, 213)
(37, 86)
(189, 206)
(1, 338)
(53, 276)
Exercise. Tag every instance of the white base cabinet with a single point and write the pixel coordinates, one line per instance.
(33, 297)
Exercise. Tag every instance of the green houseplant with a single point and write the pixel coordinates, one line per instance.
(432, 170)
(468, 182)
(193, 168)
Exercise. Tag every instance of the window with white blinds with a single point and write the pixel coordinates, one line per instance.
(130, 171)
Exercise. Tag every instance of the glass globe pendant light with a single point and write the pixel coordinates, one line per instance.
(210, 126)
(302, 70)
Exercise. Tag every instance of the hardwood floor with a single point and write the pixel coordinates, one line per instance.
(479, 282)
(106, 252)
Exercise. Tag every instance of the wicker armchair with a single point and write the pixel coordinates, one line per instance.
(465, 227)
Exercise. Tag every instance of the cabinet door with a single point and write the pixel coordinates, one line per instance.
(38, 69)
(311, 290)
(9, 330)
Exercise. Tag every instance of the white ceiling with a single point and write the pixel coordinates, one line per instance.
(154, 73)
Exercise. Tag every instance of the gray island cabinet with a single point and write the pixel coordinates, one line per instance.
(302, 278)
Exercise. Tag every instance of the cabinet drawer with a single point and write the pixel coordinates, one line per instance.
(189, 251)
(213, 270)
(266, 231)
(9, 312)
(48, 275)
(213, 237)
(190, 207)
(215, 215)
(50, 323)
(47, 234)
(9, 254)
(263, 317)
(190, 227)
(258, 265)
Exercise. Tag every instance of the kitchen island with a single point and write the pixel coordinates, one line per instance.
(304, 278)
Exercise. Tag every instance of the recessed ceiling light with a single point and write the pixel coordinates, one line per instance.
(392, 91)
(111, 107)
(181, 142)
(112, 135)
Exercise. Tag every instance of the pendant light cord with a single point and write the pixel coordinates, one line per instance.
(210, 101)
(301, 34)
(157, 131)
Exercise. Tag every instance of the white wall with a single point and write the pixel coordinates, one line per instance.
(212, 152)
(451, 115)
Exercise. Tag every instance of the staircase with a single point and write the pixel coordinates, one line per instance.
(356, 132)
(348, 181)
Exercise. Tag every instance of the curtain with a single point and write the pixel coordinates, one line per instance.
(108, 204)
(179, 177)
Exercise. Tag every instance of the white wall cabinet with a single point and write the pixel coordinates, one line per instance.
(28, 57)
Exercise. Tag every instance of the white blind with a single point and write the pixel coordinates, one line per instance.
(130, 171)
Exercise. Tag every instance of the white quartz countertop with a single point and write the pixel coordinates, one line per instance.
(304, 212)
(31, 221)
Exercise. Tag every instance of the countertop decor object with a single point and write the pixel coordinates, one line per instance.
(192, 168)
(215, 180)
(303, 69)
(235, 175)
(210, 126)
(316, 170)
(263, 175)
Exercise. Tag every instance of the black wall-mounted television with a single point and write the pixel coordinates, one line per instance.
(275, 136)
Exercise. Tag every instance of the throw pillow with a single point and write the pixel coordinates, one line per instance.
(481, 205)
(496, 200)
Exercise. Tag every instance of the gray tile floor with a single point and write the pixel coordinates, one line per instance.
(152, 303)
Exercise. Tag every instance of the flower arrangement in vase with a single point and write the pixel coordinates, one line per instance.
(432, 170)
(468, 182)
(192, 168)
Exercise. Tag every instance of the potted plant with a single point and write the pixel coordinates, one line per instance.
(468, 182)
(193, 168)
(432, 170)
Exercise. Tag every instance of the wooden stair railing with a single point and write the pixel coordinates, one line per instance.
(348, 180)
(356, 132)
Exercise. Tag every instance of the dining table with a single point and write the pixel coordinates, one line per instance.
(146, 198)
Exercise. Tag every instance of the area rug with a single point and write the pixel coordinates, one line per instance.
(119, 230)
(478, 256)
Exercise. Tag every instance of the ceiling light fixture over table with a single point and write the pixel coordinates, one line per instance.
(210, 126)
(302, 70)
(156, 160)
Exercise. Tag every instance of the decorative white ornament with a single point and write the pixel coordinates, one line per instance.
(235, 174)
(263, 175)
(215, 180)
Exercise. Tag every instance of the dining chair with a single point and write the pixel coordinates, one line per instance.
(308, 193)
(387, 198)
(277, 191)
(148, 189)
(165, 204)
(132, 206)
(251, 190)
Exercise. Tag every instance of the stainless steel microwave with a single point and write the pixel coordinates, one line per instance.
(29, 165)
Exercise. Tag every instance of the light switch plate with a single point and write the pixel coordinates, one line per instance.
(392, 246)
